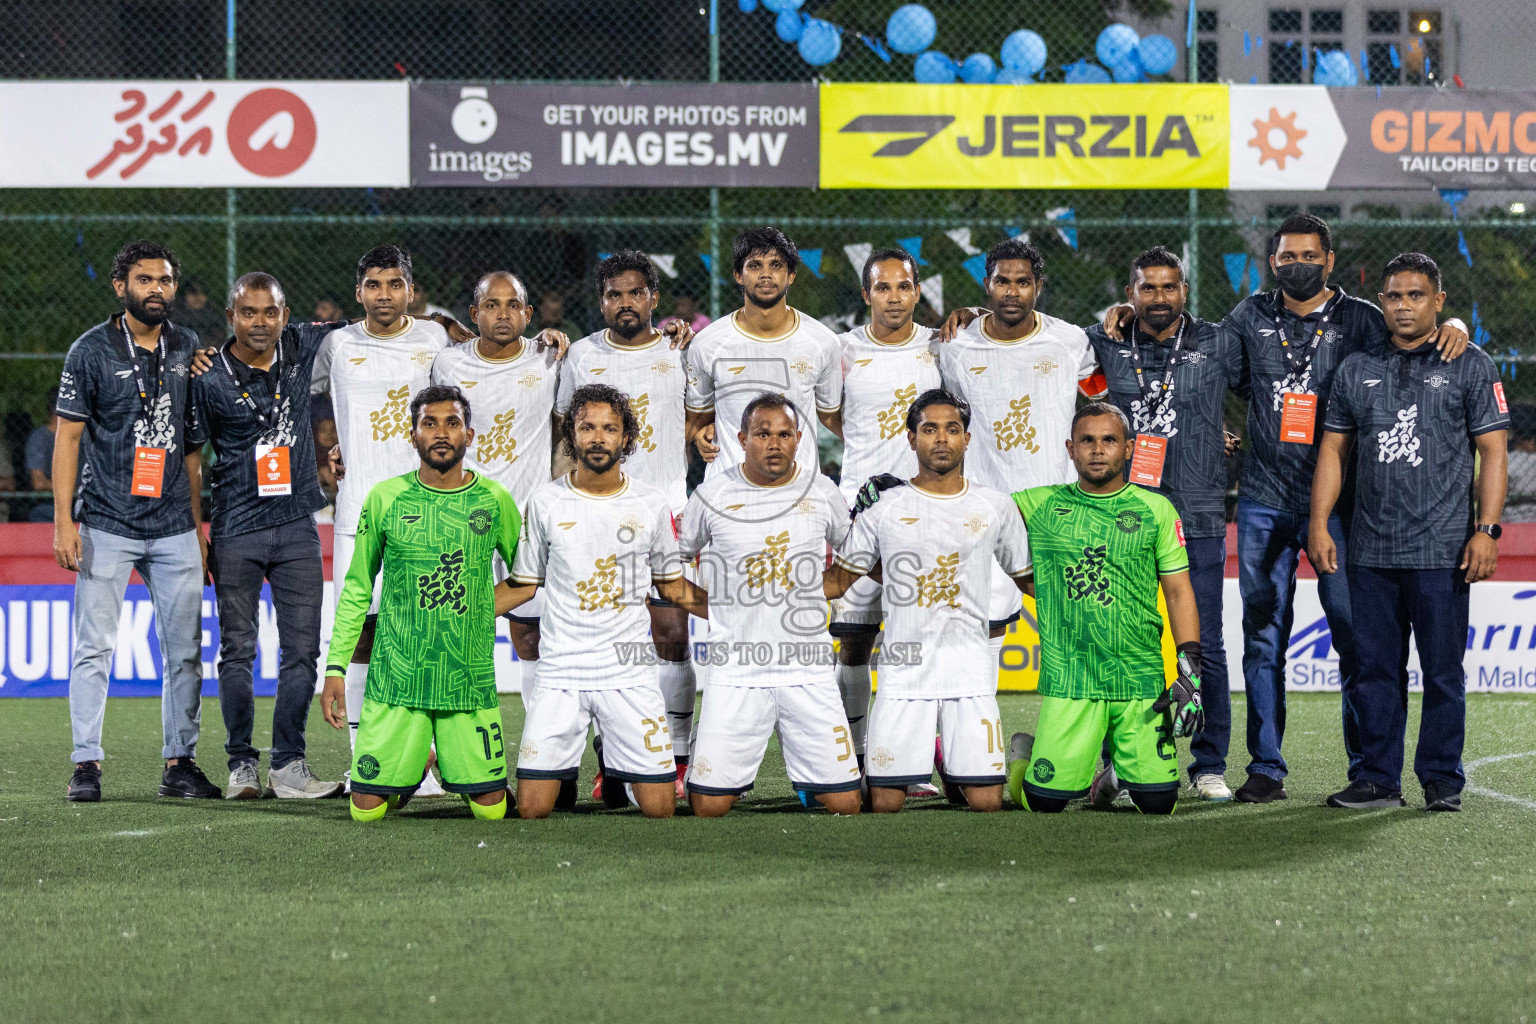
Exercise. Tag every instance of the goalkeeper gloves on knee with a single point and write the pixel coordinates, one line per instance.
(1183, 697)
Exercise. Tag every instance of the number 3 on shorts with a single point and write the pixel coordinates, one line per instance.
(840, 734)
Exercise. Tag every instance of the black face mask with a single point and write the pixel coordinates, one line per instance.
(1301, 281)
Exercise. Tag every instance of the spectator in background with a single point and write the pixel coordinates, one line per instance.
(552, 316)
(327, 309)
(686, 309)
(39, 459)
(419, 305)
(196, 312)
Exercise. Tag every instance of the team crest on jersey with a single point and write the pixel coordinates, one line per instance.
(1437, 380)
(1128, 521)
(940, 586)
(975, 524)
(528, 751)
(1086, 579)
(394, 419)
(702, 768)
(444, 587)
(498, 443)
(480, 521)
(180, 369)
(368, 767)
(803, 367)
(1194, 358)
(640, 405)
(662, 367)
(894, 420)
(1043, 771)
(926, 358)
(771, 565)
(629, 529)
(1014, 430)
(529, 381)
(1045, 366)
(882, 757)
(601, 589)
(421, 357)
(805, 506)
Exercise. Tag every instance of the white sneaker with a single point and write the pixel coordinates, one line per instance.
(1211, 787)
(923, 791)
(1106, 789)
(296, 781)
(243, 782)
(430, 787)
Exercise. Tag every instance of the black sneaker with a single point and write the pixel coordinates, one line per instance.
(1261, 789)
(1361, 795)
(85, 784)
(1438, 796)
(187, 781)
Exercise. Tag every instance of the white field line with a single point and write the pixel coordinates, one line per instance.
(1529, 805)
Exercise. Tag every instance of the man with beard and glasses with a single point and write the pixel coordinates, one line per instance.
(766, 346)
(596, 540)
(429, 536)
(1171, 378)
(123, 391)
(253, 404)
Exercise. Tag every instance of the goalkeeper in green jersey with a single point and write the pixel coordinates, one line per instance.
(1101, 548)
(432, 532)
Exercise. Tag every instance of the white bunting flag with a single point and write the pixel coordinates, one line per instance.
(962, 238)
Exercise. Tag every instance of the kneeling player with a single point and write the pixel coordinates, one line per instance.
(760, 530)
(432, 532)
(1101, 547)
(935, 540)
(595, 541)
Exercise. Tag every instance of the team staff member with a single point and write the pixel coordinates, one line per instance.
(124, 391)
(1171, 378)
(1424, 429)
(253, 404)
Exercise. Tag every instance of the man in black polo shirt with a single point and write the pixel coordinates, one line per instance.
(1171, 379)
(1424, 428)
(253, 404)
(122, 418)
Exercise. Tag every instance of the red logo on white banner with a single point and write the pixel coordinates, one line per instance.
(271, 133)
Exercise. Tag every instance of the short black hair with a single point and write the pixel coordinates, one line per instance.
(1412, 263)
(600, 394)
(385, 257)
(140, 250)
(256, 279)
(1100, 409)
(894, 252)
(1302, 224)
(438, 393)
(1016, 249)
(936, 396)
(762, 242)
(1157, 256)
(624, 261)
(192, 286)
(769, 400)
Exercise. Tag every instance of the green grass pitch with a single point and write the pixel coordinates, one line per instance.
(137, 909)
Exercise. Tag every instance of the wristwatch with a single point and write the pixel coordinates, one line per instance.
(1493, 530)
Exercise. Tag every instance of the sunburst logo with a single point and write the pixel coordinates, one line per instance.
(1264, 138)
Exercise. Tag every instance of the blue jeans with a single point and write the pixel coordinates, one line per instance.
(1269, 543)
(1207, 572)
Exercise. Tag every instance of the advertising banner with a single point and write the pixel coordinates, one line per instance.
(199, 134)
(614, 136)
(1037, 136)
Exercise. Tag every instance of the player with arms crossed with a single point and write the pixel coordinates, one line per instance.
(1101, 549)
(595, 540)
(432, 533)
(760, 531)
(936, 541)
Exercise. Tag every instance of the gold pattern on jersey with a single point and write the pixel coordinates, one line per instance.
(975, 524)
(802, 366)
(1045, 366)
(894, 420)
(805, 506)
(394, 419)
(421, 357)
(530, 381)
(1014, 431)
(771, 565)
(940, 585)
(640, 405)
(926, 358)
(662, 367)
(498, 442)
(603, 589)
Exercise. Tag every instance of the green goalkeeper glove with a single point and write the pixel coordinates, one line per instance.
(869, 492)
(1184, 695)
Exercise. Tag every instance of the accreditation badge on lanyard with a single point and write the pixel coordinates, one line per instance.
(148, 462)
(273, 475)
(1151, 449)
(1298, 409)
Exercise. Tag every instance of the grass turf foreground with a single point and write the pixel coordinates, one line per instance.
(138, 909)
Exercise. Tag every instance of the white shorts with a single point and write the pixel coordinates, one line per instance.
(736, 721)
(342, 545)
(1006, 603)
(637, 746)
(900, 744)
(858, 610)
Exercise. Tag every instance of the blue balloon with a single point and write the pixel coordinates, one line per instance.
(1024, 51)
(978, 69)
(1008, 76)
(1158, 54)
(790, 26)
(911, 29)
(1084, 73)
(1334, 68)
(746, 6)
(1115, 42)
(934, 68)
(820, 43)
(780, 6)
(1129, 69)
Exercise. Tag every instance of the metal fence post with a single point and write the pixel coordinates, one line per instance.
(714, 192)
(231, 196)
(1192, 56)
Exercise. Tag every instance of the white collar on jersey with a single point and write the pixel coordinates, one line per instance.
(570, 483)
(408, 320)
(941, 497)
(795, 326)
(615, 346)
(981, 326)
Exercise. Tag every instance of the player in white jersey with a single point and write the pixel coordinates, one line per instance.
(765, 347)
(936, 541)
(886, 365)
(760, 531)
(595, 541)
(631, 355)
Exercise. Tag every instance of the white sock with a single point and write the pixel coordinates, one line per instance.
(679, 687)
(995, 645)
(528, 672)
(357, 685)
(853, 683)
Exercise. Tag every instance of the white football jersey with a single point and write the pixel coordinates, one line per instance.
(371, 381)
(510, 403)
(936, 553)
(879, 383)
(1022, 396)
(727, 368)
(655, 380)
(762, 552)
(595, 556)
